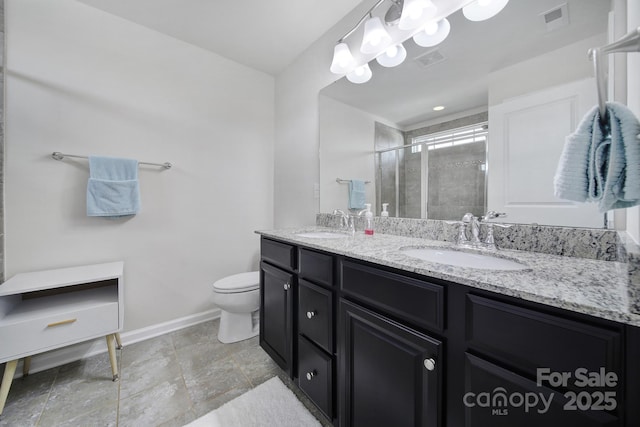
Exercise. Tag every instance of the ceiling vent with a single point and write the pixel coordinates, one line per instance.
(429, 58)
(556, 18)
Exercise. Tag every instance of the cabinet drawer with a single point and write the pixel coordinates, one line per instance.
(278, 253)
(315, 314)
(419, 302)
(315, 375)
(530, 339)
(316, 267)
(492, 398)
(26, 333)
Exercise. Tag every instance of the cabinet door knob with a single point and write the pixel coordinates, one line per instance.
(286, 286)
(430, 364)
(311, 314)
(311, 374)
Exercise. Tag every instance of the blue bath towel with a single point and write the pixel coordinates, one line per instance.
(113, 188)
(357, 196)
(600, 162)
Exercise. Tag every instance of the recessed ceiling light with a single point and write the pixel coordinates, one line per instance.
(438, 108)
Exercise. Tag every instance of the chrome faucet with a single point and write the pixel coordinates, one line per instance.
(347, 221)
(472, 224)
(344, 218)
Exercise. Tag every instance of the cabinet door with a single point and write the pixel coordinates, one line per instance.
(497, 397)
(276, 305)
(389, 375)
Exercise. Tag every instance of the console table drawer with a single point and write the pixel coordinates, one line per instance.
(42, 324)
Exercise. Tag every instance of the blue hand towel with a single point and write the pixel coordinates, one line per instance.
(600, 162)
(357, 196)
(113, 188)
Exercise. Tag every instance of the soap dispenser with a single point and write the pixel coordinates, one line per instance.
(368, 219)
(384, 212)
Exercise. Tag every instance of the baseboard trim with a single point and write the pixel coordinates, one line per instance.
(61, 356)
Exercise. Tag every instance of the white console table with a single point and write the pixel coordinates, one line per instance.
(46, 310)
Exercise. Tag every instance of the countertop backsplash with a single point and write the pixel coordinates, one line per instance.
(589, 243)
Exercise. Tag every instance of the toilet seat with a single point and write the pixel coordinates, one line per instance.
(243, 282)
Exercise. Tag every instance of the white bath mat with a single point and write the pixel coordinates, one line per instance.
(269, 404)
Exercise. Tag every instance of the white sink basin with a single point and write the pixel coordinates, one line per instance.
(322, 235)
(463, 259)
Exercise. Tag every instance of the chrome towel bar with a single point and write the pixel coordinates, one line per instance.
(59, 156)
(346, 181)
(628, 43)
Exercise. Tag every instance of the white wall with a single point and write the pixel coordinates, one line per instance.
(567, 64)
(81, 81)
(633, 101)
(346, 152)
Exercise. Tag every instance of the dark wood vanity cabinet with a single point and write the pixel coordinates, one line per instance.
(297, 318)
(278, 287)
(316, 329)
(541, 366)
(390, 373)
(372, 345)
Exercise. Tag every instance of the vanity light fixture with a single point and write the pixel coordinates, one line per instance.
(433, 33)
(375, 37)
(480, 10)
(423, 20)
(392, 56)
(414, 12)
(343, 60)
(361, 74)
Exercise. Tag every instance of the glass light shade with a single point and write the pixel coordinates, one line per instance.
(414, 12)
(361, 74)
(375, 38)
(480, 10)
(428, 37)
(343, 61)
(392, 56)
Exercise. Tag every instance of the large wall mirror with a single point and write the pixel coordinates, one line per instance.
(518, 83)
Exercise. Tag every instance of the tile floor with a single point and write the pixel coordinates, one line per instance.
(165, 381)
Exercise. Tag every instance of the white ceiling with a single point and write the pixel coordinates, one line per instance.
(265, 35)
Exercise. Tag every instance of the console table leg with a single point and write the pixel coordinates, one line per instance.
(26, 365)
(111, 346)
(7, 378)
(118, 341)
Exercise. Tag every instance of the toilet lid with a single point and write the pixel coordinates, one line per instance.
(242, 282)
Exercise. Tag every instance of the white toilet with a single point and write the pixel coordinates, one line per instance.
(238, 297)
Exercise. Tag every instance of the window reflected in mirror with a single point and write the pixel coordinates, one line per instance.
(434, 172)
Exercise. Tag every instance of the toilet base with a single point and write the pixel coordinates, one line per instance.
(236, 327)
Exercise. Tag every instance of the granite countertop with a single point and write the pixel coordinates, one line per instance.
(597, 288)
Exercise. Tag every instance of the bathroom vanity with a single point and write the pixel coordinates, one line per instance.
(374, 337)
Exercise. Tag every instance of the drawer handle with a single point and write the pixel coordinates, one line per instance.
(311, 374)
(286, 286)
(430, 364)
(311, 314)
(62, 322)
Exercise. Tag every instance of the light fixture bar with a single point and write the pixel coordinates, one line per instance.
(363, 52)
(364, 18)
